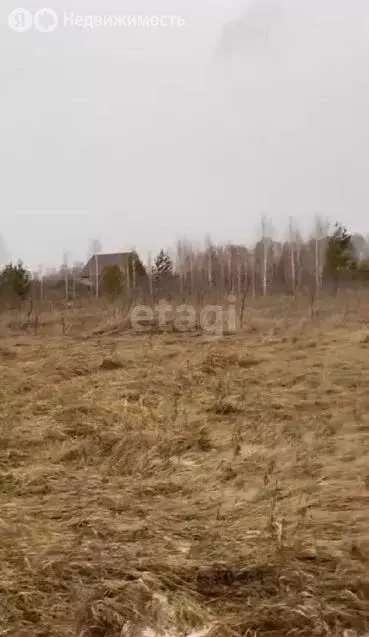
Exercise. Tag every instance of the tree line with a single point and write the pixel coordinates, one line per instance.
(326, 260)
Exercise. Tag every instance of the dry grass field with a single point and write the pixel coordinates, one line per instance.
(163, 483)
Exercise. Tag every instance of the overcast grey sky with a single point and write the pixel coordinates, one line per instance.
(138, 136)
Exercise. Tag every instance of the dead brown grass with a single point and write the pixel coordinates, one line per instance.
(170, 483)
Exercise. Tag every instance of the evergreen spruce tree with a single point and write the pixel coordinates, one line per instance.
(163, 266)
(340, 255)
(15, 280)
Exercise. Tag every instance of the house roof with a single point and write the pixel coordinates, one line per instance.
(122, 259)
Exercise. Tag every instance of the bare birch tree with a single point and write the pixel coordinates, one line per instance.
(253, 278)
(292, 247)
(266, 247)
(150, 276)
(321, 232)
(66, 275)
(95, 249)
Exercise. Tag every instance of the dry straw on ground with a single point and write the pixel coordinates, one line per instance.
(163, 483)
